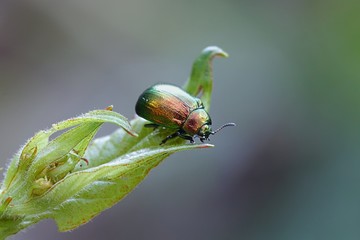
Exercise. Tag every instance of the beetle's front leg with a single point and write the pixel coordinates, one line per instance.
(187, 137)
(170, 137)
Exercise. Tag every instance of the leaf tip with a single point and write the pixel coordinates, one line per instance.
(205, 145)
(215, 51)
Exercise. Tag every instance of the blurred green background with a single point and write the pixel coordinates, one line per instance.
(289, 170)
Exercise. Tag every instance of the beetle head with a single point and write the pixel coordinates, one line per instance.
(205, 130)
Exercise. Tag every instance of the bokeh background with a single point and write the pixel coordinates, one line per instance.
(289, 170)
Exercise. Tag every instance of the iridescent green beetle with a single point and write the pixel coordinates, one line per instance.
(171, 107)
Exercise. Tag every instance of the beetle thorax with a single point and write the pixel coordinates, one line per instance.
(195, 122)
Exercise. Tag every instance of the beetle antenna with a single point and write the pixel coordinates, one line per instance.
(225, 125)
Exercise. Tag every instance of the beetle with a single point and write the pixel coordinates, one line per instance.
(169, 106)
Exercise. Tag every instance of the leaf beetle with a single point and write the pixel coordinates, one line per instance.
(171, 107)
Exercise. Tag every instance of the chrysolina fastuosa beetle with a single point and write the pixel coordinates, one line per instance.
(171, 107)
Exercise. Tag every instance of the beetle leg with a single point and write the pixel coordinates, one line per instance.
(187, 137)
(169, 137)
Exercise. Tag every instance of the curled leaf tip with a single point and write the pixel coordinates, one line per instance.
(215, 51)
(201, 78)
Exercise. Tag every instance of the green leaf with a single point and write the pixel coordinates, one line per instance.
(83, 194)
(201, 78)
(107, 184)
(46, 179)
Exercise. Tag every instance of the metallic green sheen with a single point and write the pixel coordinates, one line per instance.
(170, 106)
(196, 119)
